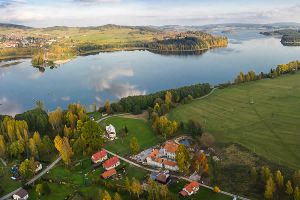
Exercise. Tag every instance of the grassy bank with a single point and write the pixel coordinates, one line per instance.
(262, 116)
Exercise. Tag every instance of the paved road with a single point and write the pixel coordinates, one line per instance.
(179, 177)
(33, 179)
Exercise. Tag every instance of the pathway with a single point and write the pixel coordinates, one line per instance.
(3, 162)
(179, 177)
(7, 196)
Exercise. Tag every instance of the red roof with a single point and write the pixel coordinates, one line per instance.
(97, 156)
(170, 163)
(190, 187)
(171, 146)
(109, 173)
(110, 162)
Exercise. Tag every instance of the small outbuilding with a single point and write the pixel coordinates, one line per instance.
(109, 173)
(21, 195)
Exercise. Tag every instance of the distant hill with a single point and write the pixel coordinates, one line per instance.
(5, 25)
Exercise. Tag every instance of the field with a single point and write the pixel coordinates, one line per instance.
(138, 128)
(262, 116)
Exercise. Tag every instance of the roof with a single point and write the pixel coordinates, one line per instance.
(21, 193)
(171, 146)
(183, 193)
(110, 162)
(154, 153)
(163, 178)
(170, 163)
(99, 155)
(190, 187)
(109, 173)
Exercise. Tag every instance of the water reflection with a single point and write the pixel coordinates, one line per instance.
(9, 107)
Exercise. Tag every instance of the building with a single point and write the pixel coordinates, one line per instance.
(111, 131)
(170, 165)
(191, 188)
(108, 173)
(163, 178)
(169, 150)
(38, 167)
(111, 163)
(21, 195)
(153, 159)
(99, 156)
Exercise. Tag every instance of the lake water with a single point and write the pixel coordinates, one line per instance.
(96, 78)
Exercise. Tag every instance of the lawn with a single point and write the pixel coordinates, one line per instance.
(262, 116)
(6, 183)
(138, 128)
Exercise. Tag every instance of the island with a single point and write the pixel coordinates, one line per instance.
(289, 37)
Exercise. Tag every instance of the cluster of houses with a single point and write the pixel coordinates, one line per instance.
(164, 157)
(19, 40)
(108, 164)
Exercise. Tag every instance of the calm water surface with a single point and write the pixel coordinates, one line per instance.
(96, 78)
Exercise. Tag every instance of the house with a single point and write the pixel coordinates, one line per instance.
(111, 163)
(111, 131)
(99, 156)
(169, 150)
(108, 173)
(163, 178)
(38, 167)
(21, 195)
(153, 159)
(170, 165)
(191, 188)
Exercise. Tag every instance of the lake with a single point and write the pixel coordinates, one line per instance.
(110, 76)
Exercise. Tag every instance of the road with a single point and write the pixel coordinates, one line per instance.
(33, 179)
(179, 177)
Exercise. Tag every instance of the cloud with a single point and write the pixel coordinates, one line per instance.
(9, 107)
(6, 3)
(35, 75)
(66, 98)
(97, 1)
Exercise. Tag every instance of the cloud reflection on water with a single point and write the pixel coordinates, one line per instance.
(9, 107)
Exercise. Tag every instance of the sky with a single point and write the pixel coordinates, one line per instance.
(44, 13)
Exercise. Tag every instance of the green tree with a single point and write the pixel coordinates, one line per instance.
(91, 135)
(194, 128)
(27, 169)
(182, 158)
(127, 185)
(289, 188)
(39, 189)
(107, 107)
(134, 145)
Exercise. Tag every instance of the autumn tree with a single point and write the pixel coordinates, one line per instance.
(16, 149)
(136, 187)
(164, 126)
(2, 147)
(33, 148)
(55, 118)
(37, 139)
(270, 188)
(134, 145)
(107, 107)
(182, 158)
(279, 179)
(39, 104)
(296, 178)
(64, 149)
(297, 193)
(168, 99)
(265, 173)
(289, 188)
(105, 195)
(117, 196)
(127, 185)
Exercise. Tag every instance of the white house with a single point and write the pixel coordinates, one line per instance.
(191, 188)
(153, 159)
(38, 167)
(111, 131)
(111, 163)
(169, 149)
(21, 195)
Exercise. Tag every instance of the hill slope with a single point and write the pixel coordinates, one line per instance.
(262, 116)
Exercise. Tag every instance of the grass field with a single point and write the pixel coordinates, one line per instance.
(138, 128)
(262, 116)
